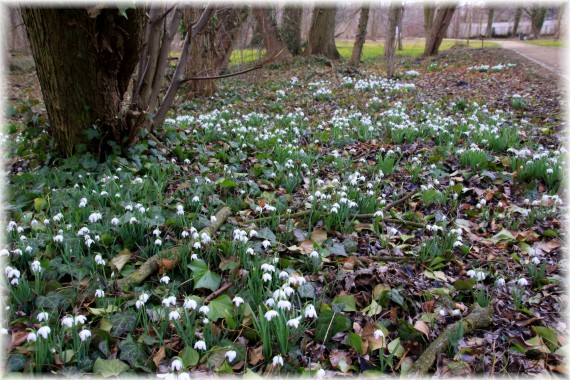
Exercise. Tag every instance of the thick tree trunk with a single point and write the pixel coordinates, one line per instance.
(518, 14)
(537, 15)
(211, 50)
(429, 13)
(360, 36)
(400, 34)
(290, 30)
(439, 28)
(321, 35)
(490, 16)
(390, 41)
(559, 15)
(89, 57)
(271, 39)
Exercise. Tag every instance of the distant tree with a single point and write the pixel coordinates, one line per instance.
(360, 35)
(321, 35)
(438, 27)
(290, 30)
(490, 16)
(518, 15)
(559, 15)
(400, 33)
(537, 15)
(271, 39)
(85, 58)
(390, 41)
(211, 50)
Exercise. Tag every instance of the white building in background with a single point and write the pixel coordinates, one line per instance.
(503, 28)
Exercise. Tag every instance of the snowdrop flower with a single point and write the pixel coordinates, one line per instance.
(310, 311)
(500, 282)
(379, 213)
(58, 238)
(165, 279)
(266, 277)
(266, 244)
(43, 316)
(95, 217)
(79, 319)
(193, 257)
(144, 297)
(17, 251)
(267, 267)
(270, 302)
(132, 220)
(82, 202)
(271, 314)
(213, 219)
(205, 238)
(284, 305)
(535, 260)
(294, 323)
(185, 234)
(189, 303)
(195, 199)
(84, 335)
(67, 321)
(230, 356)
(15, 282)
(158, 242)
(173, 315)
(237, 301)
(204, 309)
(179, 210)
(99, 260)
(11, 225)
(250, 251)
(197, 245)
(252, 233)
(378, 334)
(139, 304)
(4, 252)
(36, 266)
(156, 232)
(456, 312)
(169, 301)
(99, 293)
(176, 365)
(314, 255)
(277, 360)
(200, 345)
(29, 249)
(283, 275)
(522, 282)
(32, 337)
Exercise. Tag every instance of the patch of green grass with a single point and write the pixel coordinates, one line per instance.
(550, 43)
(246, 56)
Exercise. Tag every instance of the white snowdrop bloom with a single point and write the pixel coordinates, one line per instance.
(200, 345)
(82, 202)
(179, 210)
(67, 321)
(294, 322)
(471, 273)
(139, 304)
(129, 208)
(442, 312)
(314, 254)
(15, 282)
(266, 277)
(20, 229)
(158, 242)
(99, 260)
(283, 274)
(457, 243)
(310, 311)
(58, 238)
(95, 217)
(176, 365)
(43, 316)
(23, 238)
(32, 337)
(89, 242)
(266, 244)
(231, 355)
(99, 293)
(267, 267)
(252, 233)
(213, 219)
(83, 231)
(79, 319)
(189, 303)
(36, 266)
(84, 335)
(284, 305)
(171, 301)
(165, 279)
(500, 282)
(205, 238)
(271, 314)
(250, 251)
(11, 226)
(204, 309)
(277, 360)
(522, 282)
(185, 234)
(193, 257)
(197, 245)
(456, 312)
(270, 302)
(46, 221)
(4, 252)
(144, 297)
(238, 301)
(196, 199)
(378, 334)
(156, 232)
(535, 260)
(17, 251)
(379, 213)
(173, 315)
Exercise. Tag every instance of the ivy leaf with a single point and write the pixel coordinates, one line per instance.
(355, 341)
(203, 276)
(329, 323)
(109, 368)
(134, 353)
(16, 363)
(123, 323)
(347, 301)
(52, 300)
(221, 307)
(189, 356)
(266, 233)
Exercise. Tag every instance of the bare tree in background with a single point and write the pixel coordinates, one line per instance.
(321, 35)
(490, 16)
(438, 26)
(559, 15)
(271, 39)
(400, 34)
(518, 15)
(360, 35)
(211, 50)
(390, 44)
(537, 14)
(290, 30)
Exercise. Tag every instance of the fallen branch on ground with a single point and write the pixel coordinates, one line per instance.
(480, 317)
(152, 264)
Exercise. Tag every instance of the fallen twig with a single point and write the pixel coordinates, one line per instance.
(400, 201)
(218, 292)
(152, 264)
(480, 317)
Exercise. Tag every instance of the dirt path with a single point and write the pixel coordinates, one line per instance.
(551, 58)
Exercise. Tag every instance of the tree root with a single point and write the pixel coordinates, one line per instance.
(152, 264)
(480, 317)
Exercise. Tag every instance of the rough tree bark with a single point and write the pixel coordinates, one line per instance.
(90, 56)
(441, 22)
(390, 41)
(321, 35)
(518, 15)
(210, 51)
(490, 16)
(290, 30)
(400, 35)
(429, 13)
(360, 35)
(271, 39)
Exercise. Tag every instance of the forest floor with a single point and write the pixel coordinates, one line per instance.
(310, 219)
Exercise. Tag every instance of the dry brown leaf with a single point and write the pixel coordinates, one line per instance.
(422, 327)
(159, 356)
(319, 236)
(349, 263)
(337, 356)
(164, 265)
(18, 337)
(255, 355)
